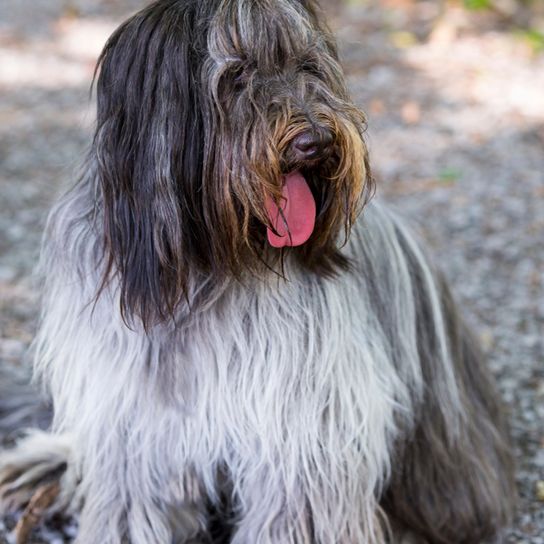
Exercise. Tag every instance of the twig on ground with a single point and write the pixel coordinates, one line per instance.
(34, 512)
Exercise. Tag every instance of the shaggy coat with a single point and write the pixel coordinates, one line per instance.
(209, 386)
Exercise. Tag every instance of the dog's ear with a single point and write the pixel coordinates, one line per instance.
(148, 152)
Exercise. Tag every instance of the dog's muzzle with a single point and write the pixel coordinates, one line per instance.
(293, 217)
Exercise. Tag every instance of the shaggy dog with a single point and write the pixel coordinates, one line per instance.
(230, 345)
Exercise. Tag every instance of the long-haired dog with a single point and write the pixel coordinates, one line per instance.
(227, 340)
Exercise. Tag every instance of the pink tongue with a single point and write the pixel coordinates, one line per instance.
(294, 220)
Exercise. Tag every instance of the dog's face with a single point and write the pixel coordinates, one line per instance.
(225, 134)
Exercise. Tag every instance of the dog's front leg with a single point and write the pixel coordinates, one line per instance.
(270, 514)
(320, 505)
(134, 493)
(118, 506)
(136, 480)
(128, 439)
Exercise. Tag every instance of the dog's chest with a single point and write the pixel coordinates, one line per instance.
(291, 365)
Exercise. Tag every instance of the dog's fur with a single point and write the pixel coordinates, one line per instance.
(321, 394)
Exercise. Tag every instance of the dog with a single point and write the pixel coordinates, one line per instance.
(239, 342)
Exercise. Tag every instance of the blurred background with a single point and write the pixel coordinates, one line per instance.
(454, 94)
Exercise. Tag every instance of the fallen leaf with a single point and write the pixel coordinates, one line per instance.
(377, 106)
(411, 113)
(403, 39)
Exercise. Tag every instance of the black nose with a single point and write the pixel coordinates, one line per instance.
(312, 145)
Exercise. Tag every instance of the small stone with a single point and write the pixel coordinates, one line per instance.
(539, 490)
(487, 340)
(7, 273)
(11, 349)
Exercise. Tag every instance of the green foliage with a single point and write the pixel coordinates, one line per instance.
(526, 12)
(477, 4)
(534, 38)
(449, 175)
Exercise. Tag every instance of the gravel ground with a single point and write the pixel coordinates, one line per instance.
(456, 130)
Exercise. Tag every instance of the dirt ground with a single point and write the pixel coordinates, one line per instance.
(455, 111)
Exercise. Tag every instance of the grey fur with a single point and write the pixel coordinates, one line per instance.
(302, 390)
(303, 408)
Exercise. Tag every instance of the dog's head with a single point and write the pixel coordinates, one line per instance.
(225, 138)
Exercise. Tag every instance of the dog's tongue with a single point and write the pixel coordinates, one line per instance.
(294, 219)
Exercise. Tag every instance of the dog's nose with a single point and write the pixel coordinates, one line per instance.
(311, 145)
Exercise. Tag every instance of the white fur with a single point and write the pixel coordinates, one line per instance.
(295, 390)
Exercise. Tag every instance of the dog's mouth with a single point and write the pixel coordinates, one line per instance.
(293, 218)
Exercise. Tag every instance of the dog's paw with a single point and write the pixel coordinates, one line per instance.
(38, 460)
